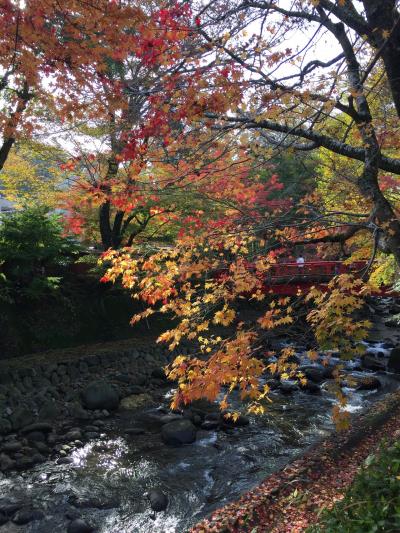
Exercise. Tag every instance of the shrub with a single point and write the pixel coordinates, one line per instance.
(33, 254)
(372, 504)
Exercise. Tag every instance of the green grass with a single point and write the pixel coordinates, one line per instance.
(372, 503)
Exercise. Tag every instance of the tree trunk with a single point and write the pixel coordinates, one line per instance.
(106, 231)
(105, 226)
(12, 124)
(383, 19)
(117, 229)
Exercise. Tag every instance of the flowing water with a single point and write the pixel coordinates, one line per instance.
(109, 477)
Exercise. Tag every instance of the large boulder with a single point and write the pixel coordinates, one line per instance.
(315, 373)
(236, 421)
(158, 500)
(44, 427)
(372, 363)
(24, 516)
(369, 383)
(310, 387)
(100, 395)
(179, 432)
(393, 364)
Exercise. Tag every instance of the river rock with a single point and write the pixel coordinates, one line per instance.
(136, 389)
(158, 500)
(123, 378)
(369, 383)
(178, 432)
(72, 514)
(79, 526)
(100, 395)
(77, 411)
(315, 373)
(25, 462)
(5, 426)
(72, 435)
(36, 436)
(21, 417)
(393, 364)
(134, 431)
(241, 421)
(210, 425)
(45, 427)
(310, 387)
(6, 463)
(24, 516)
(286, 387)
(135, 401)
(329, 371)
(273, 383)
(170, 417)
(49, 411)
(65, 461)
(41, 447)
(372, 363)
(12, 446)
(159, 373)
(93, 501)
(3, 519)
(196, 418)
(9, 507)
(92, 435)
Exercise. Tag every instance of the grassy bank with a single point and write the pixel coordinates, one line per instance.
(372, 502)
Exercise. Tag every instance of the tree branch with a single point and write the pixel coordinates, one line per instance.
(387, 164)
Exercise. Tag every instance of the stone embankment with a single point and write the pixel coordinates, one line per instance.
(47, 386)
(40, 392)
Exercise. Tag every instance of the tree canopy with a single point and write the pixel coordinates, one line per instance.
(250, 130)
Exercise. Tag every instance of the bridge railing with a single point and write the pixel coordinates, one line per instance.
(312, 270)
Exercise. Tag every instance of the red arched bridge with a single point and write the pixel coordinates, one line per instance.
(291, 278)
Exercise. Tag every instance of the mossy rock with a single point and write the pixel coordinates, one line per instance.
(136, 400)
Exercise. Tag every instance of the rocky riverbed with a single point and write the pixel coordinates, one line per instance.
(132, 466)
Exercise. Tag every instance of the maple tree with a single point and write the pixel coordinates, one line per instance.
(124, 177)
(53, 57)
(311, 105)
(196, 101)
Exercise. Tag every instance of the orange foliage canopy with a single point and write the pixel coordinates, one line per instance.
(216, 261)
(55, 56)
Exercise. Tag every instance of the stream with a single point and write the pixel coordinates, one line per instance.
(108, 477)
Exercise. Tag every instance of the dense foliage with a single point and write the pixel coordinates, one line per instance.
(173, 117)
(34, 253)
(372, 502)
